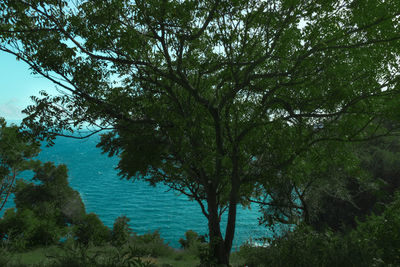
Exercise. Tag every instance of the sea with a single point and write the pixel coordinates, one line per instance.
(149, 208)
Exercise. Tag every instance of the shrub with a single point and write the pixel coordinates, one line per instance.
(79, 255)
(5, 256)
(121, 231)
(379, 235)
(22, 229)
(191, 239)
(193, 243)
(150, 244)
(45, 233)
(375, 242)
(302, 247)
(75, 255)
(91, 230)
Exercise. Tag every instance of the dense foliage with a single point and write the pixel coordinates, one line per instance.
(321, 176)
(44, 208)
(374, 242)
(121, 231)
(91, 230)
(368, 190)
(47, 209)
(49, 195)
(216, 99)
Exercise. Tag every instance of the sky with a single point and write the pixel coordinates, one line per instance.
(17, 84)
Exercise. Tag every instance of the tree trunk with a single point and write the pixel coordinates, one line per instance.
(220, 248)
(217, 245)
(233, 200)
(230, 226)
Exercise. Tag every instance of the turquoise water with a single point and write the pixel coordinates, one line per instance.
(149, 208)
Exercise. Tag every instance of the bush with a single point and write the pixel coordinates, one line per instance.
(45, 233)
(5, 256)
(121, 231)
(302, 247)
(23, 229)
(379, 235)
(91, 230)
(193, 243)
(191, 239)
(150, 244)
(79, 255)
(375, 242)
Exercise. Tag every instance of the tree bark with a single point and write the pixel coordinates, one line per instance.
(231, 224)
(217, 244)
(233, 200)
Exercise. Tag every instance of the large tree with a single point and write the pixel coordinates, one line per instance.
(212, 98)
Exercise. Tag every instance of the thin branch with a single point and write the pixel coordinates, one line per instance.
(9, 189)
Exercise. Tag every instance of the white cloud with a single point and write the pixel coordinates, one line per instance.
(11, 110)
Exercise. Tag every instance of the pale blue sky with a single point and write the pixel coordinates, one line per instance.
(17, 84)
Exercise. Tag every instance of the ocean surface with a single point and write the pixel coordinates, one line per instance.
(94, 176)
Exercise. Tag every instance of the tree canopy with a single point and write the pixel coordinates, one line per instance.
(212, 98)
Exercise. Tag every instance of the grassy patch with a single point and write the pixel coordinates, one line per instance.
(178, 259)
(94, 256)
(53, 257)
(35, 256)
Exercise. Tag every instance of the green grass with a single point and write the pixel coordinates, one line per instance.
(41, 257)
(35, 256)
(178, 259)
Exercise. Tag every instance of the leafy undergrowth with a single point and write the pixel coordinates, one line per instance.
(58, 256)
(94, 256)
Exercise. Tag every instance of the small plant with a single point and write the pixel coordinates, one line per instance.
(193, 243)
(75, 255)
(150, 244)
(5, 256)
(127, 256)
(140, 263)
(206, 258)
(91, 230)
(121, 231)
(79, 255)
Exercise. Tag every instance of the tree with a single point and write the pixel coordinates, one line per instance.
(44, 208)
(50, 196)
(16, 153)
(212, 98)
